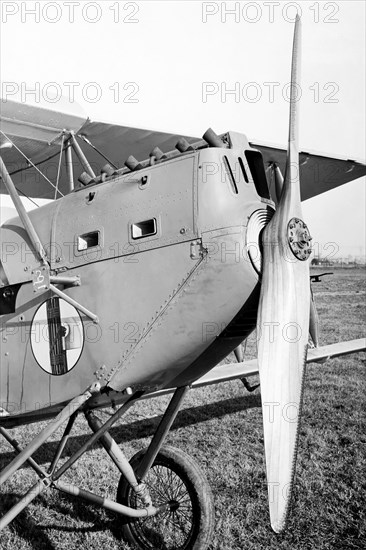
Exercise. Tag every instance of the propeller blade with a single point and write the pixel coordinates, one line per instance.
(278, 182)
(283, 321)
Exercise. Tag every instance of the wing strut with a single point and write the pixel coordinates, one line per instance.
(79, 153)
(23, 215)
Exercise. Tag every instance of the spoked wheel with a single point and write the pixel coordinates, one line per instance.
(176, 479)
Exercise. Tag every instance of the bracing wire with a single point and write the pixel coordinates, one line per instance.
(84, 138)
(31, 163)
(26, 196)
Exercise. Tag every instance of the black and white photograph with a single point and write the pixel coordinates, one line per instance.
(182, 275)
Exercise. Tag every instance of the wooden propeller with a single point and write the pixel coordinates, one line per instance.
(283, 321)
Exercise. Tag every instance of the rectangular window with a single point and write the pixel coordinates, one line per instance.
(144, 229)
(88, 240)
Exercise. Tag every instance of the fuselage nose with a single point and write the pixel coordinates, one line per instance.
(233, 199)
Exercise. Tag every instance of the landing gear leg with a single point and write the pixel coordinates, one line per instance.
(173, 480)
(176, 479)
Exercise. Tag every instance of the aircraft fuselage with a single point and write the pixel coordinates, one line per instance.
(168, 259)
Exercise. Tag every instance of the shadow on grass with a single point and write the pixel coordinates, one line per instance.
(144, 428)
(24, 525)
(35, 533)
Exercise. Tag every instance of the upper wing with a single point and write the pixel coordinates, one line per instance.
(34, 130)
(37, 132)
(318, 172)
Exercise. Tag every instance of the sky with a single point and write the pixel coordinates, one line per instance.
(185, 66)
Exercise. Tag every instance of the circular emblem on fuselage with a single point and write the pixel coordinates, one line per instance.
(57, 336)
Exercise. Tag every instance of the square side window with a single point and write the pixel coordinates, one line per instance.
(88, 240)
(144, 229)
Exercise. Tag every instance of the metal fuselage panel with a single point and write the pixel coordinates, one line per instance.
(162, 299)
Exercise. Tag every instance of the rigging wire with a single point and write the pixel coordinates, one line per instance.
(84, 138)
(26, 196)
(36, 164)
(30, 162)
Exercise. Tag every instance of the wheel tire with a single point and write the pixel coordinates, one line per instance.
(173, 476)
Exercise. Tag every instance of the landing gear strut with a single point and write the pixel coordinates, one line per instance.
(159, 481)
(176, 480)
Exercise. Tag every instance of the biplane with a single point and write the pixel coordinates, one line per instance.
(189, 246)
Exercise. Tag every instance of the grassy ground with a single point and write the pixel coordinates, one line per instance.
(221, 427)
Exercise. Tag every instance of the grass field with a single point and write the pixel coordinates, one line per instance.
(221, 427)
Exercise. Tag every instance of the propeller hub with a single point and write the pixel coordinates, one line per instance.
(299, 239)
